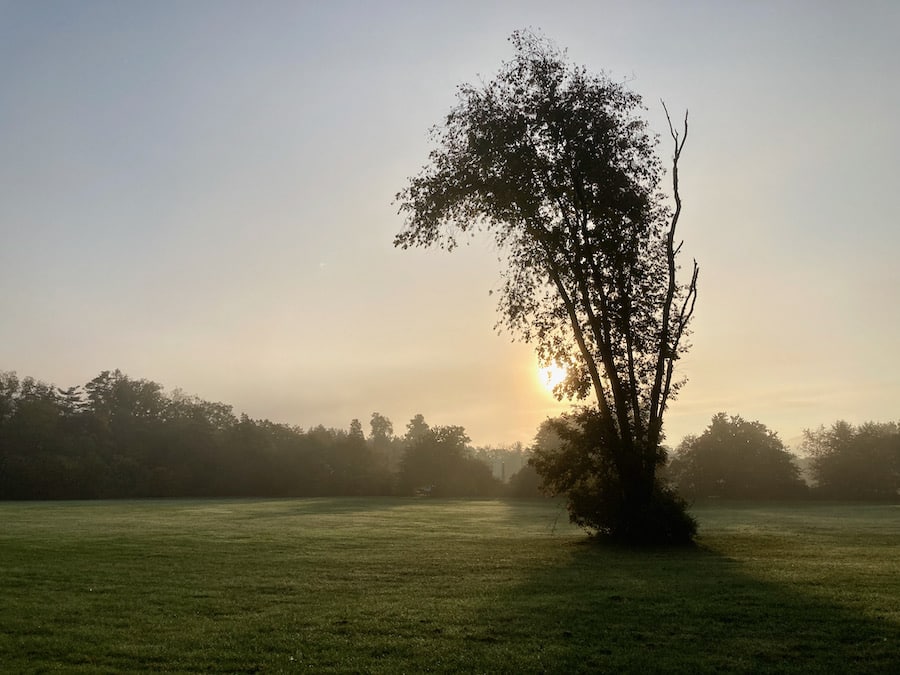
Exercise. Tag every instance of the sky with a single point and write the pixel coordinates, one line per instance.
(201, 194)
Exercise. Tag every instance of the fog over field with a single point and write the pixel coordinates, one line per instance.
(201, 194)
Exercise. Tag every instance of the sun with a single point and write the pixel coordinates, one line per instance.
(551, 375)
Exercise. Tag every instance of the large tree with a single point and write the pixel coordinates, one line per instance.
(556, 164)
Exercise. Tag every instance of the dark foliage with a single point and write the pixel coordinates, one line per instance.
(735, 459)
(525, 483)
(859, 463)
(571, 456)
(118, 437)
(438, 462)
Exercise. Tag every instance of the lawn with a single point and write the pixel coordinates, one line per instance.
(393, 585)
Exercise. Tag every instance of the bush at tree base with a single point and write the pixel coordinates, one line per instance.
(586, 468)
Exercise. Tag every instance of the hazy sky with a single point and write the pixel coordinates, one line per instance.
(200, 194)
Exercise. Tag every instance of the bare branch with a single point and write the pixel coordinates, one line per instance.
(667, 345)
(675, 135)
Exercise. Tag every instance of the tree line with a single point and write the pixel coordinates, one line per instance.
(119, 437)
(739, 459)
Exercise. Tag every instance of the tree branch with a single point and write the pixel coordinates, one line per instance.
(666, 351)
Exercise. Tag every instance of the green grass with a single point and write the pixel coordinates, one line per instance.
(392, 585)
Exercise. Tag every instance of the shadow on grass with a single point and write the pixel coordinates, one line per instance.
(614, 610)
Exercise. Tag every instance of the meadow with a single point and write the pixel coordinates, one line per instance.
(406, 585)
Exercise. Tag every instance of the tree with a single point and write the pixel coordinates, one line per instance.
(416, 429)
(856, 462)
(382, 429)
(736, 459)
(555, 164)
(439, 461)
(356, 431)
(383, 442)
(71, 401)
(524, 483)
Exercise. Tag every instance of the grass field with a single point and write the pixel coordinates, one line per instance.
(392, 585)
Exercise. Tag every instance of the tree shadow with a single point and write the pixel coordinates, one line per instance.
(611, 609)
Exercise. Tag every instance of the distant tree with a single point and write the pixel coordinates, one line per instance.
(856, 462)
(737, 459)
(504, 461)
(71, 401)
(416, 429)
(382, 429)
(192, 447)
(206, 414)
(32, 463)
(556, 164)
(525, 483)
(353, 467)
(548, 439)
(439, 462)
(128, 417)
(547, 451)
(356, 431)
(9, 390)
(383, 442)
(114, 395)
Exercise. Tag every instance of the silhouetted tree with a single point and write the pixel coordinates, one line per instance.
(356, 431)
(383, 442)
(524, 483)
(382, 429)
(416, 429)
(735, 459)
(33, 458)
(438, 461)
(557, 166)
(856, 462)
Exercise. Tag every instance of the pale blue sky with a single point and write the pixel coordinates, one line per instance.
(199, 193)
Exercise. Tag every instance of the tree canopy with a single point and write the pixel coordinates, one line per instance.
(557, 166)
(856, 462)
(439, 462)
(738, 459)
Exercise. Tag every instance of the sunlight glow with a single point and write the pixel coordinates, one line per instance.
(551, 376)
